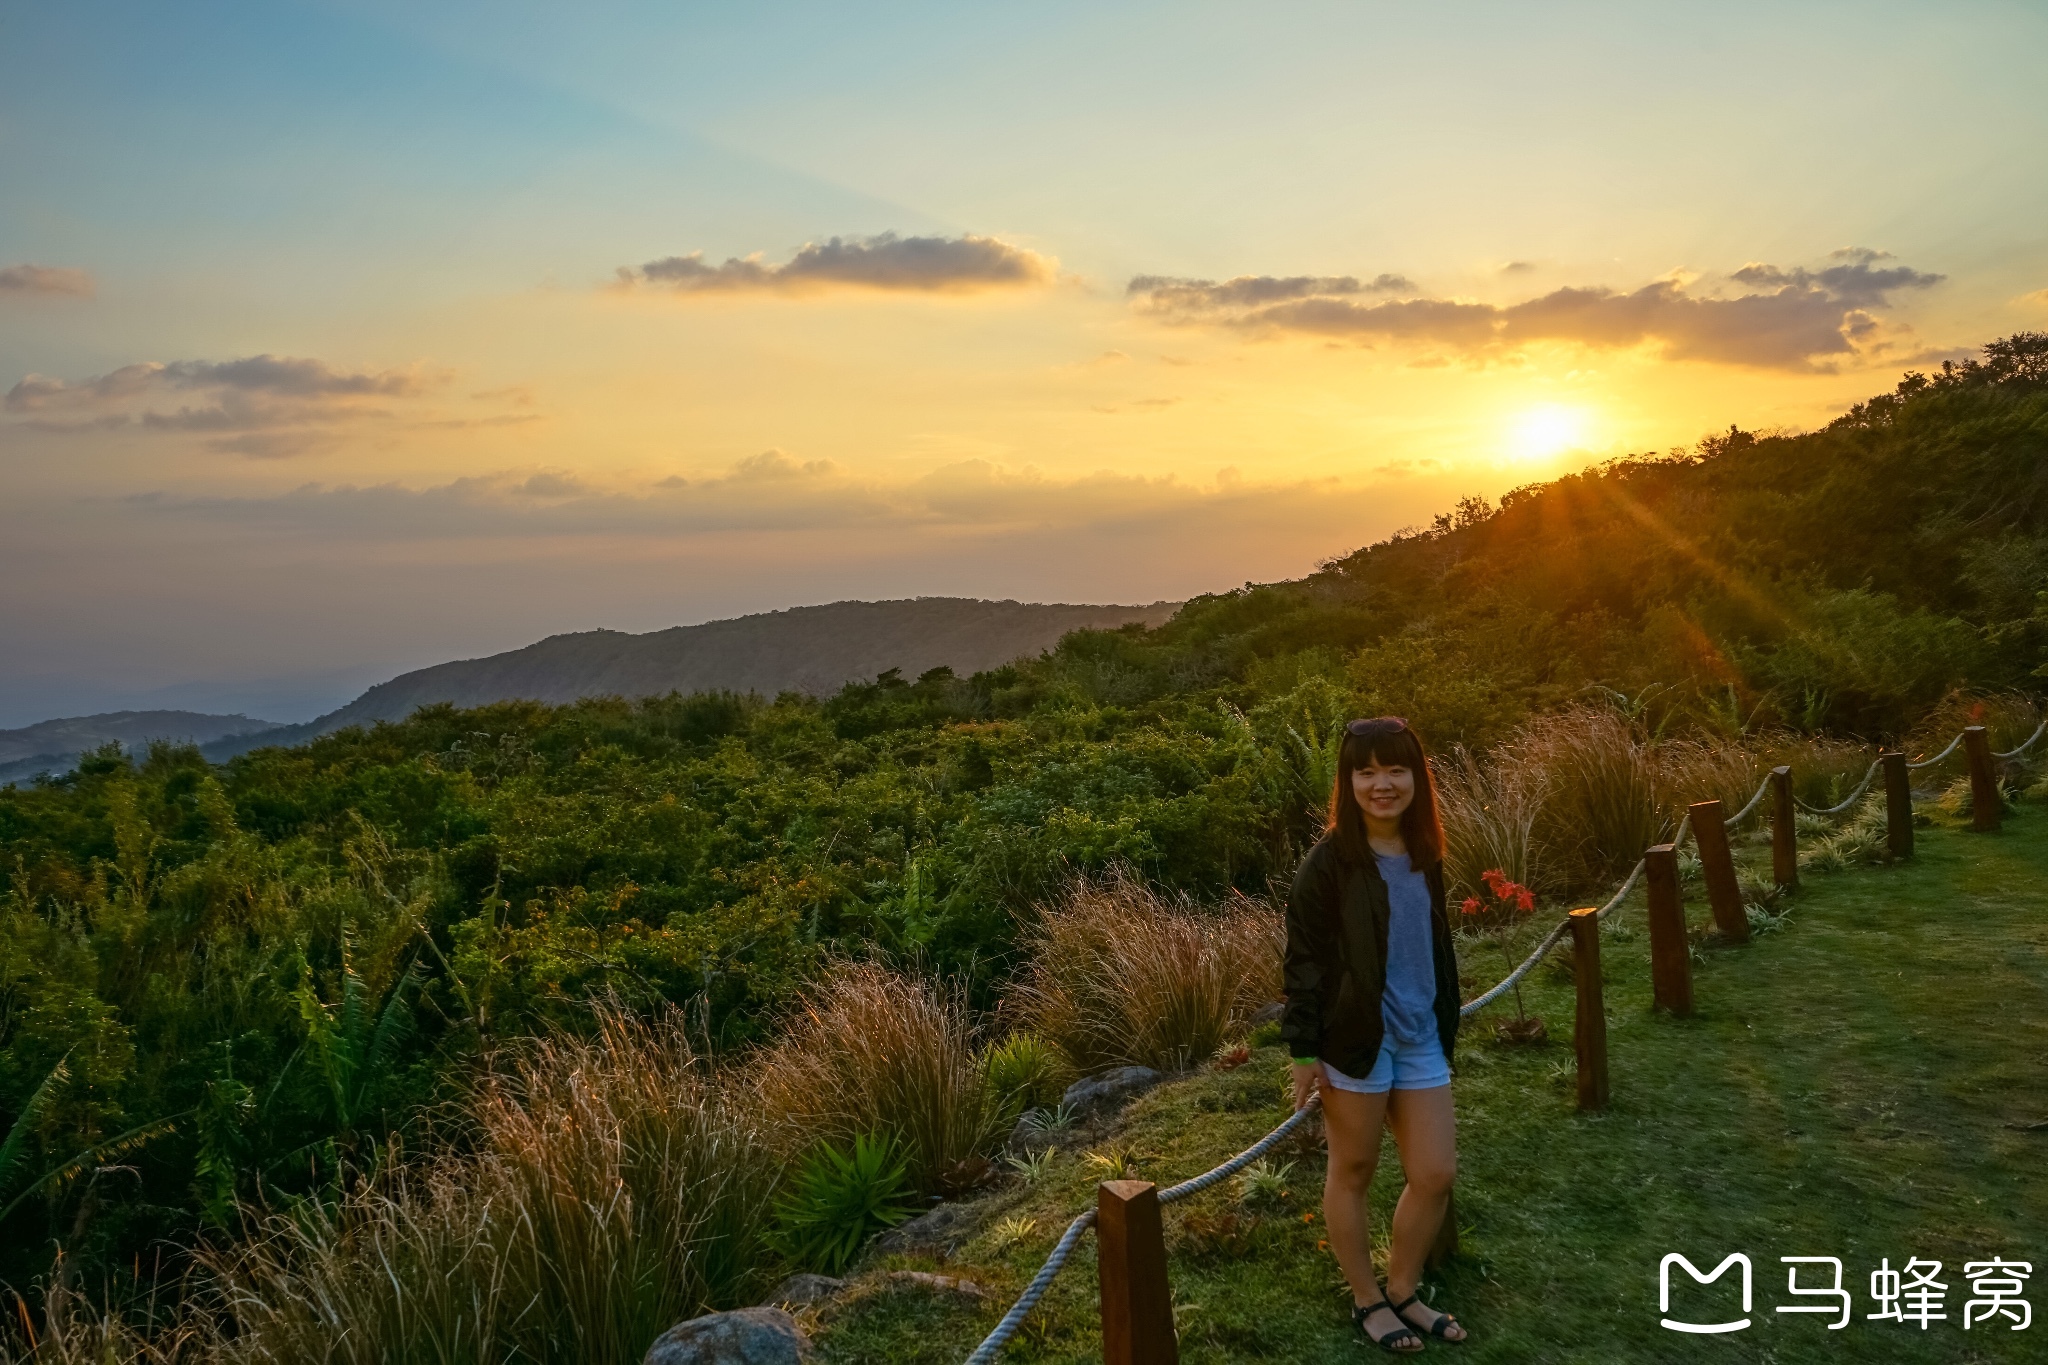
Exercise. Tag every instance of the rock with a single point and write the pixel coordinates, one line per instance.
(745, 1336)
(804, 1290)
(1028, 1136)
(930, 1283)
(1111, 1090)
(935, 1233)
(1269, 1014)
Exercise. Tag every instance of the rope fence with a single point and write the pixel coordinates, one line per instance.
(1012, 1321)
(1754, 801)
(1850, 800)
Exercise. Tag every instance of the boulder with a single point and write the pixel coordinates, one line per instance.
(935, 1233)
(804, 1290)
(1111, 1090)
(1269, 1014)
(1028, 1136)
(745, 1336)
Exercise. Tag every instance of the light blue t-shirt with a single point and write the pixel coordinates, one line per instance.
(1408, 1005)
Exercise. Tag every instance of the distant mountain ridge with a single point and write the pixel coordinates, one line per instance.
(801, 649)
(54, 745)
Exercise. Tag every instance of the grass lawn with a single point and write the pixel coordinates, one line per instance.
(1867, 1080)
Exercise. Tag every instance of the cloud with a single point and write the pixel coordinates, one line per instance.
(46, 279)
(1167, 294)
(769, 492)
(1853, 281)
(282, 376)
(1790, 319)
(887, 262)
(263, 406)
(2039, 298)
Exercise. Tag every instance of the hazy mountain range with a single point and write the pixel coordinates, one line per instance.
(54, 745)
(804, 649)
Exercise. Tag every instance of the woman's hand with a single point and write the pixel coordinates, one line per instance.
(1308, 1079)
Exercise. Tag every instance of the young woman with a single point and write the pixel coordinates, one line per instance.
(1372, 1011)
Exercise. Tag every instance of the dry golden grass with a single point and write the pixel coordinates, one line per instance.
(870, 1050)
(619, 1188)
(1601, 805)
(75, 1331)
(1121, 975)
(2009, 717)
(1689, 770)
(1490, 813)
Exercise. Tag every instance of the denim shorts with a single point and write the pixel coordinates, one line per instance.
(1401, 1066)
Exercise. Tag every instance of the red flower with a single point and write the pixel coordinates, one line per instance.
(1493, 877)
(1471, 905)
(1525, 899)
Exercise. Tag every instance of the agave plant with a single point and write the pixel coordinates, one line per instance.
(839, 1198)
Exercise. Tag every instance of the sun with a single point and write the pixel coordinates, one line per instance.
(1545, 430)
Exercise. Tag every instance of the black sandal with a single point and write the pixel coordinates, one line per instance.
(1435, 1329)
(1391, 1343)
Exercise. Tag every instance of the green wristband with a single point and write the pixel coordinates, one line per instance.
(1306, 1061)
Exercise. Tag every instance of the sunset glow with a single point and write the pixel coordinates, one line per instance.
(1542, 433)
(390, 333)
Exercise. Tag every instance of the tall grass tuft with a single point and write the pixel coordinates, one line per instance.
(870, 1050)
(76, 1331)
(2007, 717)
(1490, 813)
(1689, 770)
(1121, 975)
(1601, 806)
(617, 1189)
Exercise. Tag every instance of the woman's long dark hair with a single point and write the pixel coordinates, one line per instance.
(1388, 741)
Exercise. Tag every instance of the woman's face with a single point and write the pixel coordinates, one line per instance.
(1383, 790)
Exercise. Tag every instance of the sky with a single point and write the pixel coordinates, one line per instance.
(345, 338)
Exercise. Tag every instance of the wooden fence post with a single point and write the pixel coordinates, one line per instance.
(1589, 1024)
(1717, 866)
(1898, 805)
(1784, 839)
(1984, 811)
(1670, 954)
(1137, 1306)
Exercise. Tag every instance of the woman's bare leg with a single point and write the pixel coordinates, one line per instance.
(1426, 1132)
(1351, 1122)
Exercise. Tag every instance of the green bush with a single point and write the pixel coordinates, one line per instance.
(839, 1199)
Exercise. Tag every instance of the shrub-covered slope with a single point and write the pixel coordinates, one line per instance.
(257, 977)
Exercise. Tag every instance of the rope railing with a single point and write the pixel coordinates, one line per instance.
(992, 1345)
(1930, 762)
(1850, 800)
(1754, 801)
(2024, 744)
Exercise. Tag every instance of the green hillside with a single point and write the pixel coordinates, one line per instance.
(1864, 1081)
(247, 986)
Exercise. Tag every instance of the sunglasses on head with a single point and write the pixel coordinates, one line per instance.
(1378, 725)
